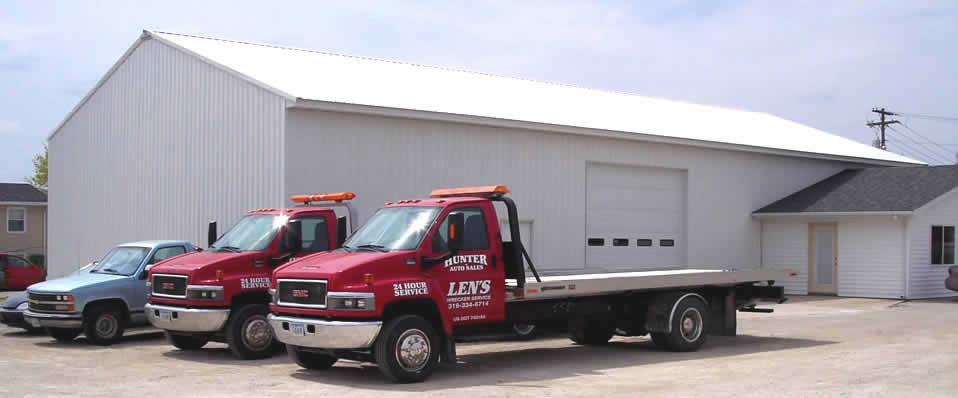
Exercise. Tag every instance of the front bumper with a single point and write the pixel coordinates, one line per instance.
(65, 321)
(12, 317)
(952, 283)
(325, 334)
(187, 319)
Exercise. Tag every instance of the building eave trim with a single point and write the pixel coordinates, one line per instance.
(303, 103)
(833, 214)
(14, 203)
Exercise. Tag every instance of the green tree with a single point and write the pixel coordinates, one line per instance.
(39, 178)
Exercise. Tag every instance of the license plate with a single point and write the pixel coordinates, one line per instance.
(166, 315)
(34, 322)
(297, 329)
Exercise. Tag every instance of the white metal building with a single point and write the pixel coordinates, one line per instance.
(185, 129)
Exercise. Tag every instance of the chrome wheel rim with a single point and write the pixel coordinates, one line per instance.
(413, 350)
(257, 334)
(106, 326)
(690, 326)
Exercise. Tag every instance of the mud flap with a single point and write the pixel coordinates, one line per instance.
(448, 353)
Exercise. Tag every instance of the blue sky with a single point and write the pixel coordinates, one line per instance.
(821, 63)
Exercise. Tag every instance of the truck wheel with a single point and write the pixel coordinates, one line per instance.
(103, 325)
(187, 341)
(407, 349)
(249, 335)
(592, 333)
(311, 360)
(524, 331)
(688, 327)
(63, 335)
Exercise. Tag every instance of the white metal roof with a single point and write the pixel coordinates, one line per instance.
(340, 79)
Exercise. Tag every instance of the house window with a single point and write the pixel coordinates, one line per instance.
(16, 220)
(942, 245)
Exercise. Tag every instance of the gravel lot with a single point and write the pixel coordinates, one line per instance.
(808, 347)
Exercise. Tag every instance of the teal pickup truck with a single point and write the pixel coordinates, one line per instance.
(103, 299)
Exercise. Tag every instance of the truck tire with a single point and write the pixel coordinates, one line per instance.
(407, 349)
(592, 333)
(249, 335)
(103, 325)
(524, 331)
(187, 341)
(63, 335)
(311, 360)
(689, 326)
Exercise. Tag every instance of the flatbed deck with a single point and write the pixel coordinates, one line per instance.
(553, 287)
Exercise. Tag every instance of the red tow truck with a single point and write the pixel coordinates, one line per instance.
(222, 293)
(422, 273)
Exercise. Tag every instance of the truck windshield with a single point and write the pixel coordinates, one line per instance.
(121, 260)
(251, 233)
(393, 228)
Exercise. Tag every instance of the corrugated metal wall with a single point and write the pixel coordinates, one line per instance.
(926, 279)
(167, 143)
(385, 159)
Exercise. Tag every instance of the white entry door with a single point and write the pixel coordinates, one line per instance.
(823, 259)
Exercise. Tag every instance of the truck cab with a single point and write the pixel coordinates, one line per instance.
(221, 293)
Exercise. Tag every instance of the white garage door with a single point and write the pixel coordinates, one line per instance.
(635, 217)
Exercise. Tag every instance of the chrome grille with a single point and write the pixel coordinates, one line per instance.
(309, 293)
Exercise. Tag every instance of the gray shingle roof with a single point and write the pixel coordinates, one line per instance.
(873, 189)
(12, 192)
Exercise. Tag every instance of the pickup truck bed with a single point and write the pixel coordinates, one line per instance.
(553, 287)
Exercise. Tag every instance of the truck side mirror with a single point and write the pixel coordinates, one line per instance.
(340, 231)
(292, 239)
(456, 231)
(211, 234)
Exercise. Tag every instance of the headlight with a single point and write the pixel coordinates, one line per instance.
(199, 292)
(337, 301)
(23, 306)
(272, 296)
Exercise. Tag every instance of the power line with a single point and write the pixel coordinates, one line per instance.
(927, 155)
(916, 153)
(927, 139)
(930, 117)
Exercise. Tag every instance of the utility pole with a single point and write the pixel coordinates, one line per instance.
(881, 124)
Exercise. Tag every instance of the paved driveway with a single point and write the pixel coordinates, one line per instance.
(808, 347)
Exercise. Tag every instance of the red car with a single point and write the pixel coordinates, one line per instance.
(17, 272)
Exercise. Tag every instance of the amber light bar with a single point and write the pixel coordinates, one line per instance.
(486, 191)
(319, 197)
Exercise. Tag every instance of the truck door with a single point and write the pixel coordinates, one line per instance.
(471, 282)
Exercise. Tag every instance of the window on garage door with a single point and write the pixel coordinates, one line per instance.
(942, 244)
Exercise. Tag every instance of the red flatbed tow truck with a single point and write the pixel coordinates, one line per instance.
(422, 273)
(222, 293)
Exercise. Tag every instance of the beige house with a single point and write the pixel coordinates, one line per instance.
(23, 211)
